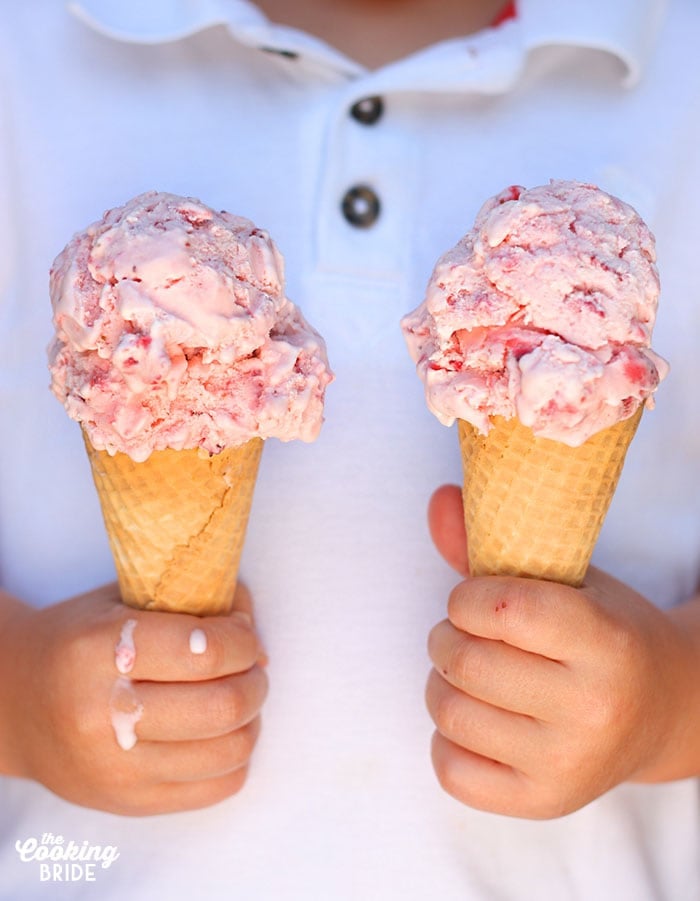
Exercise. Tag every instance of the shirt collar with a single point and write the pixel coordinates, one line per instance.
(167, 21)
(624, 28)
(163, 21)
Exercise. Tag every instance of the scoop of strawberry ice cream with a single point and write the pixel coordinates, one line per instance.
(173, 330)
(543, 311)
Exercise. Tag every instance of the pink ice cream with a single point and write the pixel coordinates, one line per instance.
(543, 311)
(173, 330)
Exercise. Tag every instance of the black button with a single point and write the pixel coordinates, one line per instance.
(368, 110)
(361, 206)
(288, 54)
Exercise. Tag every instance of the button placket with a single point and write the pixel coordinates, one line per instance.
(362, 217)
(360, 204)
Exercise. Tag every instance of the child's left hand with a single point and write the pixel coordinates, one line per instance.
(545, 697)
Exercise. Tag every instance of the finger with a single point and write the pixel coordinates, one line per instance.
(243, 600)
(181, 711)
(195, 795)
(178, 796)
(481, 783)
(488, 731)
(193, 761)
(542, 617)
(497, 673)
(172, 797)
(446, 525)
(104, 595)
(243, 605)
(177, 647)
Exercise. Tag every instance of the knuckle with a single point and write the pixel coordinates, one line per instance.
(237, 747)
(521, 606)
(612, 719)
(260, 687)
(434, 641)
(229, 708)
(244, 638)
(458, 597)
(235, 782)
(600, 712)
(557, 771)
(556, 793)
(238, 699)
(450, 774)
(608, 705)
(445, 711)
(552, 803)
(464, 665)
(447, 777)
(247, 739)
(564, 784)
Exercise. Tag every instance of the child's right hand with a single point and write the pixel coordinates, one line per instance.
(68, 715)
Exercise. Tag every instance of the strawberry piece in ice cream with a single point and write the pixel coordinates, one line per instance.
(173, 331)
(543, 311)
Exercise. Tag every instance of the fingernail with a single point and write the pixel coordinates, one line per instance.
(243, 617)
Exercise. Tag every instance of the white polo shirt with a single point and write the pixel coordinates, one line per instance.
(102, 99)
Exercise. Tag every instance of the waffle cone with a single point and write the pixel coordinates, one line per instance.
(534, 507)
(176, 524)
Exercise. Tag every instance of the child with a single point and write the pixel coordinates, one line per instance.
(366, 158)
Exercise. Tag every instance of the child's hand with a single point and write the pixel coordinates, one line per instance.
(545, 697)
(134, 712)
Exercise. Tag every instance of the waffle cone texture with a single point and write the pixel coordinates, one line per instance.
(176, 524)
(534, 507)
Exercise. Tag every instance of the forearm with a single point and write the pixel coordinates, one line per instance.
(10, 607)
(680, 755)
(12, 612)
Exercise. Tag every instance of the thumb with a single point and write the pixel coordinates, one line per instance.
(446, 524)
(243, 607)
(243, 601)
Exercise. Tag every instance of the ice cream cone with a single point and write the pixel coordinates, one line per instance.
(176, 524)
(533, 506)
(173, 330)
(541, 314)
